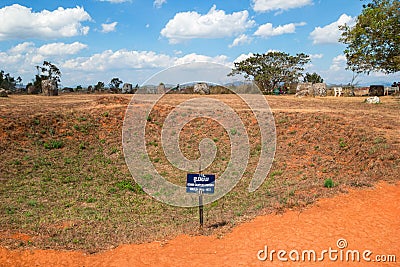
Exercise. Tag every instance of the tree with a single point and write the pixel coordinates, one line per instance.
(48, 71)
(115, 83)
(99, 86)
(7, 81)
(271, 69)
(313, 78)
(373, 44)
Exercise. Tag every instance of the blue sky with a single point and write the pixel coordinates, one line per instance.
(96, 40)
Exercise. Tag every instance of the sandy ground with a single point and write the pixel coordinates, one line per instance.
(365, 220)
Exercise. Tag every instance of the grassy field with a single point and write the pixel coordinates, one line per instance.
(64, 181)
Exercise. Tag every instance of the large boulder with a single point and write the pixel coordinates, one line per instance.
(376, 90)
(3, 92)
(161, 88)
(201, 88)
(49, 88)
(127, 88)
(304, 89)
(33, 90)
(319, 89)
(372, 100)
(363, 91)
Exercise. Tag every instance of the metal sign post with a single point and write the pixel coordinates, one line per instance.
(201, 184)
(200, 203)
(201, 208)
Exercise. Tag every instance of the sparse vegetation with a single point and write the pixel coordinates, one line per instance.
(328, 183)
(82, 177)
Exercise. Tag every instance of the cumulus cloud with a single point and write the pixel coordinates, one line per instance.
(22, 58)
(110, 27)
(338, 63)
(61, 49)
(243, 57)
(19, 22)
(330, 33)
(118, 60)
(25, 47)
(159, 3)
(270, 5)
(136, 60)
(214, 24)
(190, 58)
(267, 30)
(241, 39)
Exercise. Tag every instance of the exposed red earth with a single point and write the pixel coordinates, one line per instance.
(367, 219)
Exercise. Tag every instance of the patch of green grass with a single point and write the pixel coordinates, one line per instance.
(153, 143)
(233, 131)
(10, 210)
(32, 203)
(91, 200)
(82, 146)
(16, 162)
(342, 143)
(379, 140)
(283, 120)
(128, 185)
(328, 183)
(53, 144)
(276, 173)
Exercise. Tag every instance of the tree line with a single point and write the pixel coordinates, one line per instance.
(372, 44)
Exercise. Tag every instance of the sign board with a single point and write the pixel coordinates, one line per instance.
(197, 182)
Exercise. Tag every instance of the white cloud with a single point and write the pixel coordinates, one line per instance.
(159, 3)
(110, 27)
(269, 5)
(330, 33)
(119, 59)
(190, 58)
(243, 57)
(25, 47)
(22, 58)
(316, 56)
(19, 22)
(267, 30)
(61, 49)
(338, 63)
(241, 39)
(214, 24)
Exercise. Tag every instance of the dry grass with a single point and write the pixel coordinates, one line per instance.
(64, 180)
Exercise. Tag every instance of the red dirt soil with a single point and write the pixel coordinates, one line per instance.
(367, 219)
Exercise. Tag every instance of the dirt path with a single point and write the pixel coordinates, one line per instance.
(367, 219)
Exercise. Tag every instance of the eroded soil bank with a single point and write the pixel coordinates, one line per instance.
(367, 219)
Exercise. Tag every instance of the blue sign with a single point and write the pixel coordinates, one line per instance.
(200, 182)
